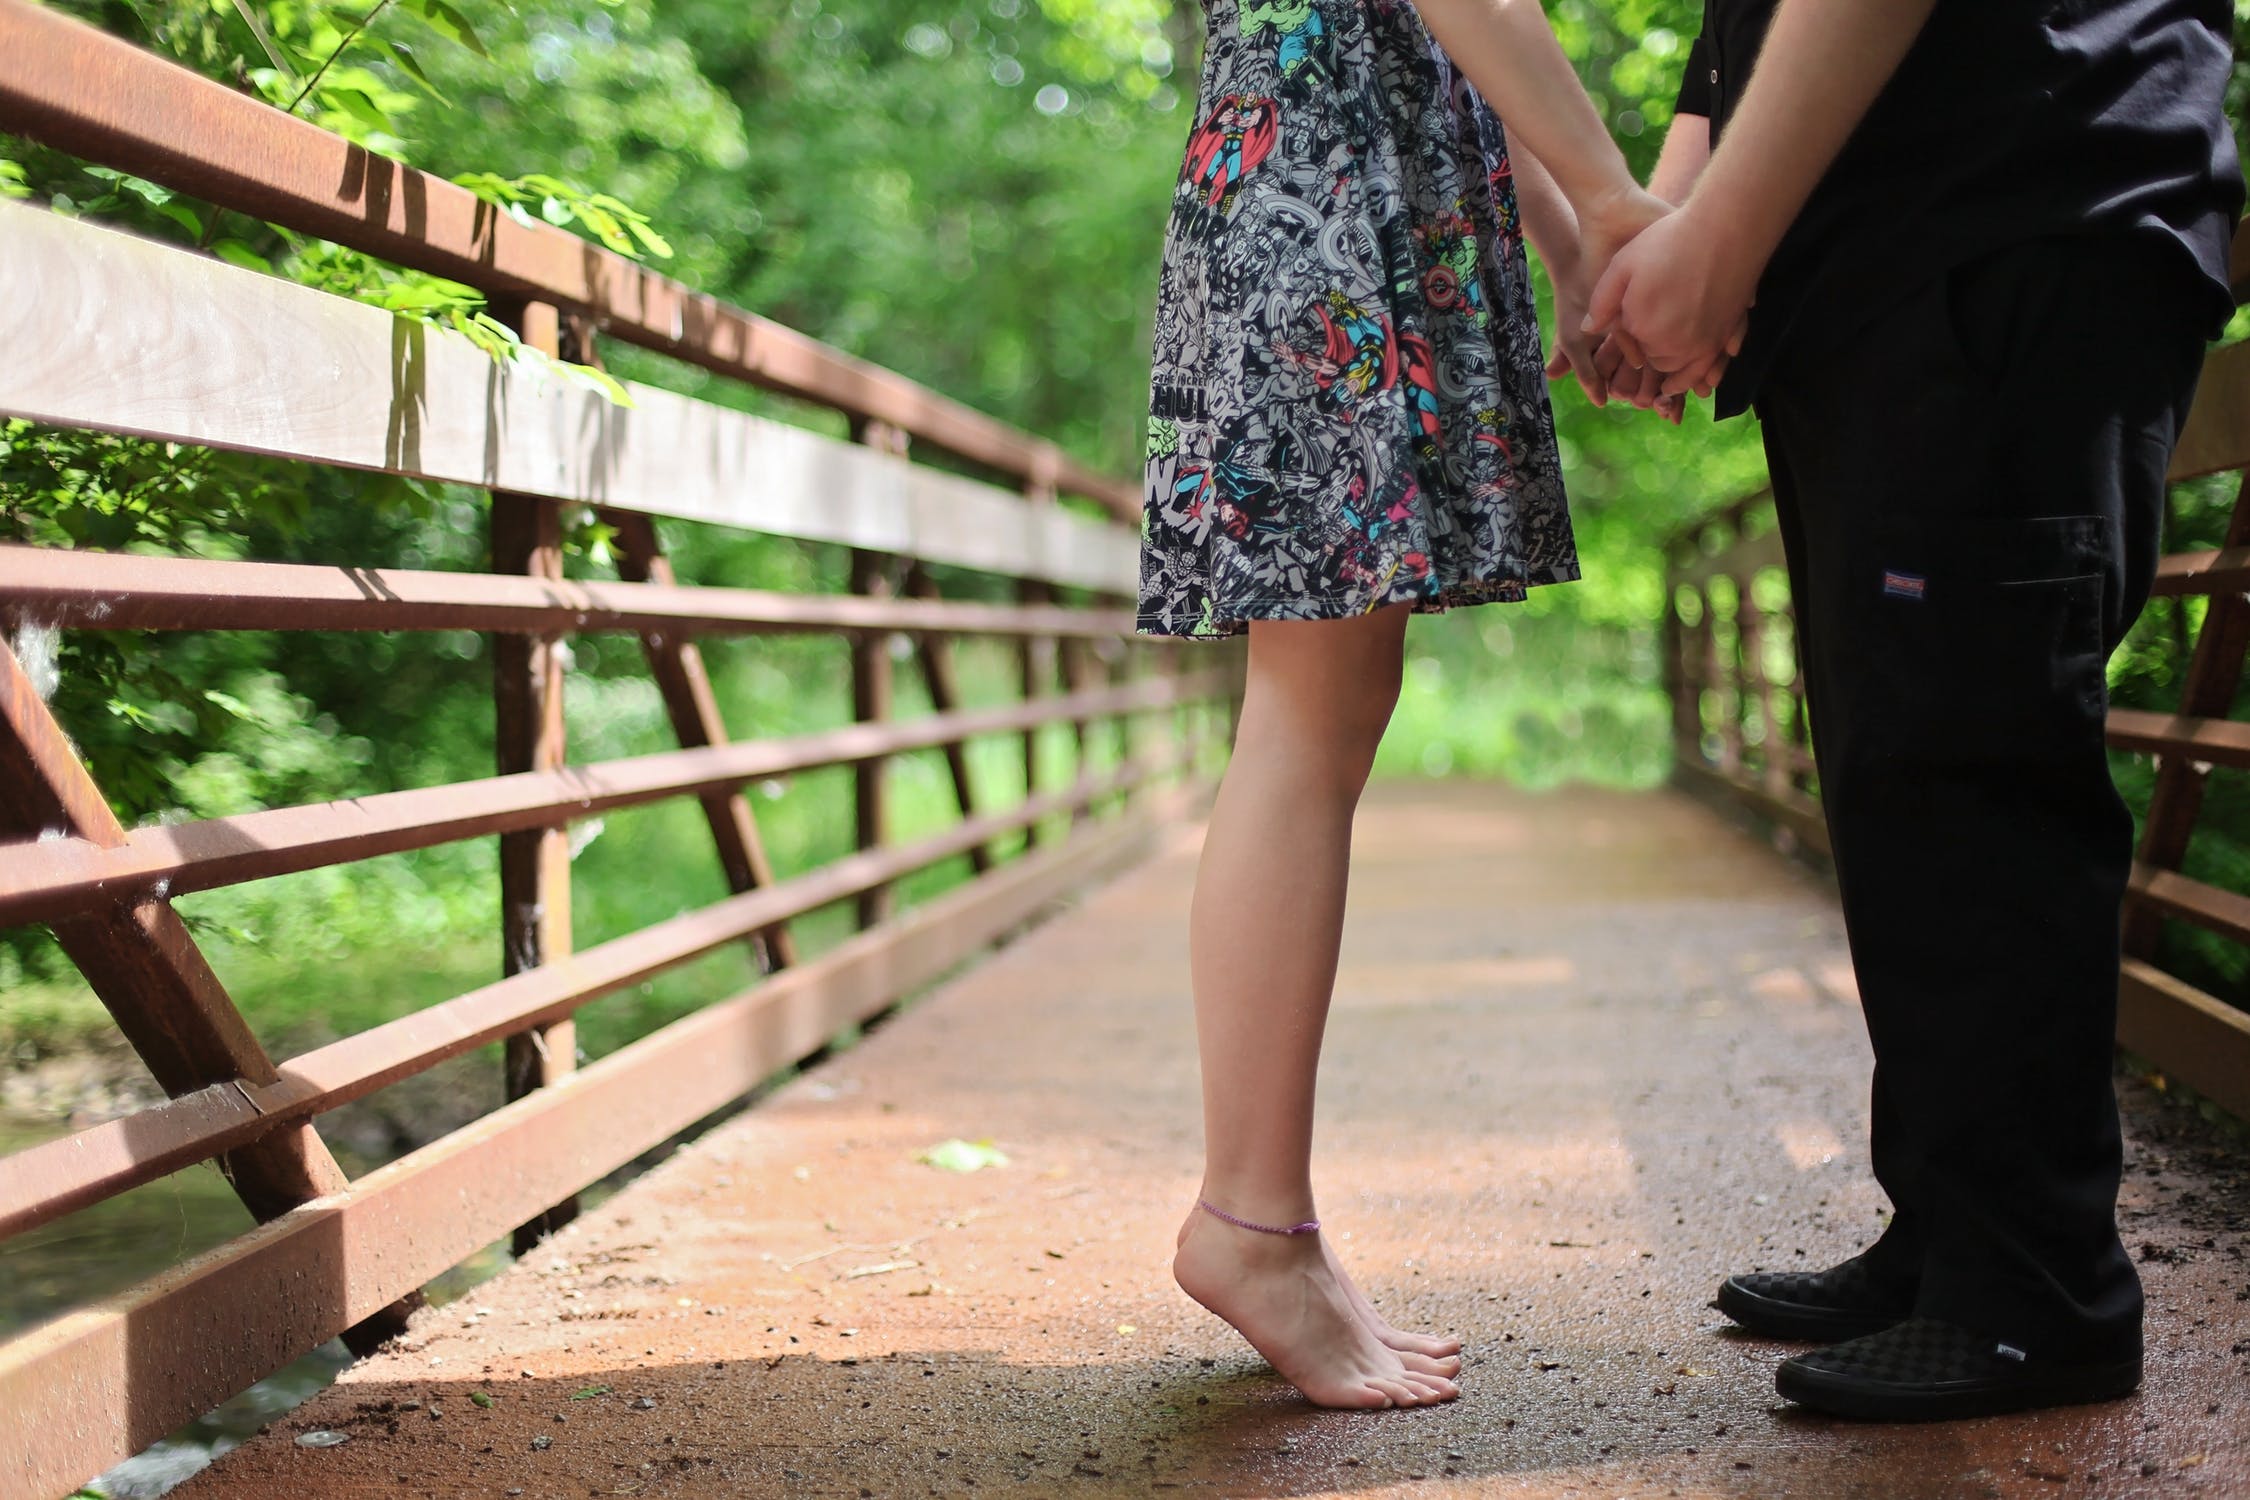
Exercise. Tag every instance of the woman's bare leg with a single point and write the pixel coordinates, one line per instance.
(1266, 925)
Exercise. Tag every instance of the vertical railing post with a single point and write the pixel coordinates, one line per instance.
(871, 692)
(1036, 654)
(526, 537)
(935, 654)
(1722, 676)
(1773, 756)
(1679, 679)
(1078, 678)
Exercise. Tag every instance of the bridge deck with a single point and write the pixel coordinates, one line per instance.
(1591, 1052)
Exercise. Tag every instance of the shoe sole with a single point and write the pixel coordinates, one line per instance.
(1860, 1400)
(1773, 1318)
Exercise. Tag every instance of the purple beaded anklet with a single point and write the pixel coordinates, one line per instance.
(1310, 1226)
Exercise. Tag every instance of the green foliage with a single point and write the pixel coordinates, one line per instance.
(617, 225)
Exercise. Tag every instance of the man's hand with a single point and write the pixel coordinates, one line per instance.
(1676, 301)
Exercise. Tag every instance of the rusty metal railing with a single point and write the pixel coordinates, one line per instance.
(110, 333)
(1740, 731)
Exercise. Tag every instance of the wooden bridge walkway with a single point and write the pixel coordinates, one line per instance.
(1591, 1052)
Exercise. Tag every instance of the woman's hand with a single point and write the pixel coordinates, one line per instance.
(1572, 350)
(1610, 223)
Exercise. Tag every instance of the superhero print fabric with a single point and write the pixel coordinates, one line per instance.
(1348, 407)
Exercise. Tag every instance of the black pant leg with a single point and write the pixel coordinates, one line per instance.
(1897, 1256)
(1978, 479)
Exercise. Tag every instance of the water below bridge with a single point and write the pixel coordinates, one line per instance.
(1592, 1051)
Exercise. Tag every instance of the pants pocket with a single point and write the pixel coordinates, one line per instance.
(1985, 643)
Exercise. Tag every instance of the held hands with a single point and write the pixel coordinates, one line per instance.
(1671, 307)
(1603, 230)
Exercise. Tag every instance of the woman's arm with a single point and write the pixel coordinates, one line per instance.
(1552, 227)
(1687, 151)
(1510, 53)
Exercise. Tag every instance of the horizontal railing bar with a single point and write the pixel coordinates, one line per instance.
(78, 590)
(2207, 906)
(53, 877)
(2222, 742)
(2220, 572)
(44, 1182)
(226, 358)
(71, 87)
(2198, 1039)
(80, 1393)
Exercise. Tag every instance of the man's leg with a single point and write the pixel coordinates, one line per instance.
(1980, 484)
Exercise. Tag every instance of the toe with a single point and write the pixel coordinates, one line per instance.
(1397, 1391)
(1423, 1364)
(1434, 1388)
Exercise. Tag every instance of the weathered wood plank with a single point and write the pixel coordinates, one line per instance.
(2197, 1038)
(2217, 433)
(124, 335)
(77, 590)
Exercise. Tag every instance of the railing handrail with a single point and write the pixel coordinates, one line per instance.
(95, 96)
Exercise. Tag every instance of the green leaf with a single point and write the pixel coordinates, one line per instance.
(236, 253)
(657, 245)
(963, 1156)
(481, 1398)
(12, 183)
(589, 1393)
(184, 216)
(359, 104)
(230, 704)
(450, 24)
(411, 65)
(601, 382)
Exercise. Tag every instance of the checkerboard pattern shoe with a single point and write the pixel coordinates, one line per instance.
(1926, 1371)
(1818, 1307)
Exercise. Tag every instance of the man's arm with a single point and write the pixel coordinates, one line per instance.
(1687, 151)
(1680, 289)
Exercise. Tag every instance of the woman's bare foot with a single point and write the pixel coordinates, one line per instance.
(1442, 1355)
(1425, 1353)
(1282, 1293)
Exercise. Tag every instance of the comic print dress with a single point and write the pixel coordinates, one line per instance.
(1348, 406)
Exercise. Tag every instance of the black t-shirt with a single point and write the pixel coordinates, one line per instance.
(2008, 120)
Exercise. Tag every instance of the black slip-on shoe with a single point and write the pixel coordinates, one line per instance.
(1926, 1371)
(1818, 1307)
